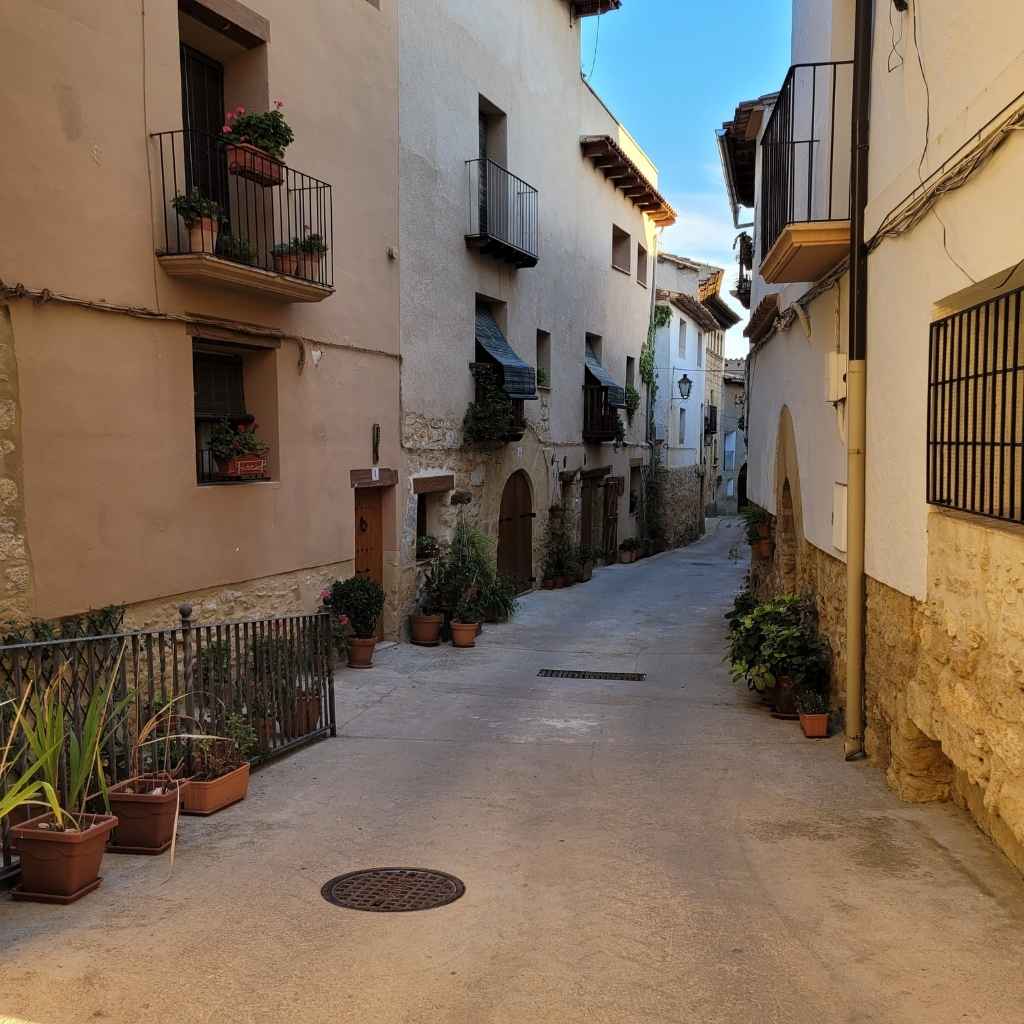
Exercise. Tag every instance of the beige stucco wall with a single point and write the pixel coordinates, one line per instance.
(112, 507)
(451, 54)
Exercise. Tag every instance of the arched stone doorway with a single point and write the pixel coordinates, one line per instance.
(785, 541)
(515, 531)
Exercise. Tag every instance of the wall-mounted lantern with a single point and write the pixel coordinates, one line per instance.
(685, 387)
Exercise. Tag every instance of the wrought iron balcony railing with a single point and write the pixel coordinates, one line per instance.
(502, 214)
(600, 418)
(805, 150)
(259, 212)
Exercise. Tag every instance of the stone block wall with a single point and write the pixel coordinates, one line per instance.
(683, 514)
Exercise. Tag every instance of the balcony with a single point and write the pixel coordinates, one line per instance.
(805, 174)
(710, 423)
(502, 214)
(600, 417)
(232, 216)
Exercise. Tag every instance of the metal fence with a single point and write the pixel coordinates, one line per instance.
(805, 150)
(273, 675)
(976, 410)
(503, 210)
(271, 216)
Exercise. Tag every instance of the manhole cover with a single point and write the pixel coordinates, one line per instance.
(393, 890)
(565, 673)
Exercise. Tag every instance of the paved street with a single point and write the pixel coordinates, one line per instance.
(656, 851)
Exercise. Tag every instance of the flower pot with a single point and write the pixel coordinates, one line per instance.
(426, 629)
(244, 467)
(761, 549)
(464, 634)
(254, 164)
(785, 698)
(145, 819)
(265, 729)
(764, 531)
(548, 584)
(586, 572)
(627, 557)
(205, 798)
(61, 867)
(561, 582)
(311, 267)
(307, 713)
(287, 263)
(815, 727)
(202, 235)
(360, 652)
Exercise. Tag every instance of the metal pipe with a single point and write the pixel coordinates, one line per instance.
(856, 378)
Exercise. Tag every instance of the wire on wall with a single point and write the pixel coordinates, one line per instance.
(597, 40)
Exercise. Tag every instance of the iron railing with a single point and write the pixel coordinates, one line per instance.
(503, 213)
(976, 410)
(711, 421)
(600, 419)
(210, 471)
(805, 150)
(272, 217)
(274, 674)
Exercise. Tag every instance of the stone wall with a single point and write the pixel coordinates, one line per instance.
(683, 514)
(944, 678)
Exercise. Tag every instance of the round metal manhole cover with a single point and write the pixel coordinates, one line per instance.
(393, 890)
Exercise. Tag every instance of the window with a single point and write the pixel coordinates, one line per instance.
(428, 521)
(630, 372)
(635, 485)
(594, 343)
(975, 407)
(682, 428)
(730, 487)
(222, 375)
(729, 462)
(493, 132)
(622, 246)
(700, 349)
(641, 265)
(543, 359)
(682, 338)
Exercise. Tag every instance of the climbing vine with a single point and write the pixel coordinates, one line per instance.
(651, 495)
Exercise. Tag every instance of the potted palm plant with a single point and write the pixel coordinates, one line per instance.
(426, 624)
(362, 600)
(466, 622)
(240, 454)
(255, 143)
(202, 217)
(62, 850)
(218, 775)
(497, 599)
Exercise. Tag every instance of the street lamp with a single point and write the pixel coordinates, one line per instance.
(685, 387)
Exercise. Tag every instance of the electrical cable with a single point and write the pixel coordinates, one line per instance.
(597, 39)
(894, 52)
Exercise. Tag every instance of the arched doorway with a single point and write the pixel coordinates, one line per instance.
(515, 532)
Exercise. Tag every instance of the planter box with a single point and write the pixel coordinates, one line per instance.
(246, 467)
(145, 820)
(209, 797)
(61, 867)
(815, 727)
(254, 164)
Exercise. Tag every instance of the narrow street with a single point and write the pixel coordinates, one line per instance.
(652, 851)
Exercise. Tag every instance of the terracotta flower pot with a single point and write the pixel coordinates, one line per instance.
(244, 467)
(360, 652)
(764, 531)
(307, 713)
(815, 727)
(548, 584)
(426, 629)
(586, 572)
(311, 266)
(265, 729)
(253, 163)
(287, 263)
(561, 582)
(464, 634)
(202, 235)
(61, 867)
(627, 557)
(145, 819)
(762, 549)
(209, 797)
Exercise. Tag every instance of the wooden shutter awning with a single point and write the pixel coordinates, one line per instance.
(588, 8)
(609, 158)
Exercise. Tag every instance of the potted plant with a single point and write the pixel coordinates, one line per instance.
(219, 774)
(255, 144)
(466, 622)
(628, 550)
(312, 249)
(362, 600)
(202, 217)
(62, 850)
(543, 378)
(238, 250)
(497, 599)
(240, 454)
(286, 257)
(758, 525)
(813, 708)
(586, 556)
(426, 548)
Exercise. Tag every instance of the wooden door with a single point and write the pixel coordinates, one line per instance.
(202, 110)
(515, 532)
(614, 488)
(370, 536)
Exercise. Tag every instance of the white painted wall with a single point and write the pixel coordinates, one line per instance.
(671, 366)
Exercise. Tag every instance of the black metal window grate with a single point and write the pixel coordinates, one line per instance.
(976, 410)
(564, 673)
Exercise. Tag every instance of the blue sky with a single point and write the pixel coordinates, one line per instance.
(672, 71)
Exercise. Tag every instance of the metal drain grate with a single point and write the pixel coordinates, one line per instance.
(393, 890)
(564, 673)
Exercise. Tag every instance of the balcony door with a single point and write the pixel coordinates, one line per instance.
(202, 112)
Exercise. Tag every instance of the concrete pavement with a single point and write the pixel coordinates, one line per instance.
(657, 851)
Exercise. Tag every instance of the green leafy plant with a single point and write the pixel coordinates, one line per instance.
(239, 250)
(268, 130)
(811, 701)
(193, 206)
(743, 604)
(212, 757)
(490, 418)
(25, 788)
(632, 402)
(585, 553)
(560, 552)
(543, 378)
(229, 441)
(286, 248)
(362, 600)
(468, 609)
(620, 432)
(312, 244)
(497, 600)
(629, 544)
(757, 520)
(461, 568)
(427, 547)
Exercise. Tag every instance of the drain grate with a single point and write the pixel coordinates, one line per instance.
(393, 890)
(565, 673)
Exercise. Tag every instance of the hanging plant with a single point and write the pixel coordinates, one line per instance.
(490, 419)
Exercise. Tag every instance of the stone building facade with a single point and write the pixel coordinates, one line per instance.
(944, 640)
